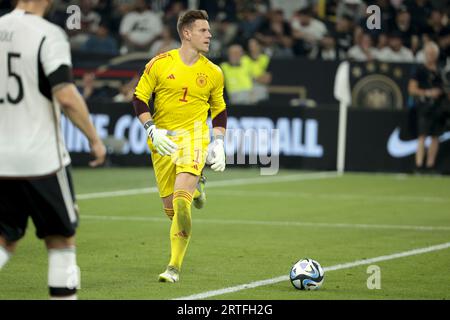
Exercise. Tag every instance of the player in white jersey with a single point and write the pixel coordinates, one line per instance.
(35, 81)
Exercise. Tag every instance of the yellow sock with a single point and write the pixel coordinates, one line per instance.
(180, 230)
(169, 212)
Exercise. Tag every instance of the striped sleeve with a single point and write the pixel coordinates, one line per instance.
(147, 82)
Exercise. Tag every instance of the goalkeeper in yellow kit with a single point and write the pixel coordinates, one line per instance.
(185, 86)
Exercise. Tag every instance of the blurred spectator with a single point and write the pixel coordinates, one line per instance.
(123, 6)
(126, 91)
(160, 6)
(397, 3)
(396, 52)
(402, 25)
(104, 7)
(276, 34)
(57, 13)
(90, 21)
(363, 50)
(224, 32)
(356, 9)
(420, 55)
(101, 42)
(259, 62)
(91, 92)
(388, 13)
(289, 7)
(111, 13)
(426, 86)
(420, 11)
(307, 32)
(171, 16)
(438, 30)
(238, 77)
(249, 23)
(88, 85)
(344, 30)
(326, 10)
(165, 43)
(327, 49)
(436, 24)
(219, 9)
(382, 41)
(223, 23)
(139, 28)
(444, 44)
(261, 6)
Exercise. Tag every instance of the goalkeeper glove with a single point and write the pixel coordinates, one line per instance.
(216, 155)
(163, 145)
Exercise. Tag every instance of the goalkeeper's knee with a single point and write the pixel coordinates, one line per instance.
(63, 273)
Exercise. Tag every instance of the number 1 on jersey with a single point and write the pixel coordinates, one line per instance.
(185, 89)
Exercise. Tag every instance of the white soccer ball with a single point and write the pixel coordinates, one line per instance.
(306, 274)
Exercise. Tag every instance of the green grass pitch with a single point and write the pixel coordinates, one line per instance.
(251, 231)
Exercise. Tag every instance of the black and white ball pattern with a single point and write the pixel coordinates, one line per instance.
(307, 274)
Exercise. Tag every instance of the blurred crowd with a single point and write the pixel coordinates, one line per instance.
(248, 33)
(317, 29)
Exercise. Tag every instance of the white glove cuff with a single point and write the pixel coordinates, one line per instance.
(149, 126)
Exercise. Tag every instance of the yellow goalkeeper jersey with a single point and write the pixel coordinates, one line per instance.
(183, 94)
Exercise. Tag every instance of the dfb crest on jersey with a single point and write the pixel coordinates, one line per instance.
(201, 80)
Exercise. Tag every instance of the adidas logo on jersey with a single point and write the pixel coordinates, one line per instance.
(171, 76)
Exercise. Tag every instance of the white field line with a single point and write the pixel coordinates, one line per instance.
(337, 196)
(117, 193)
(348, 265)
(275, 194)
(274, 223)
(213, 184)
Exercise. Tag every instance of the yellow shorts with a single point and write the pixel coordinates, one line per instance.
(190, 157)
